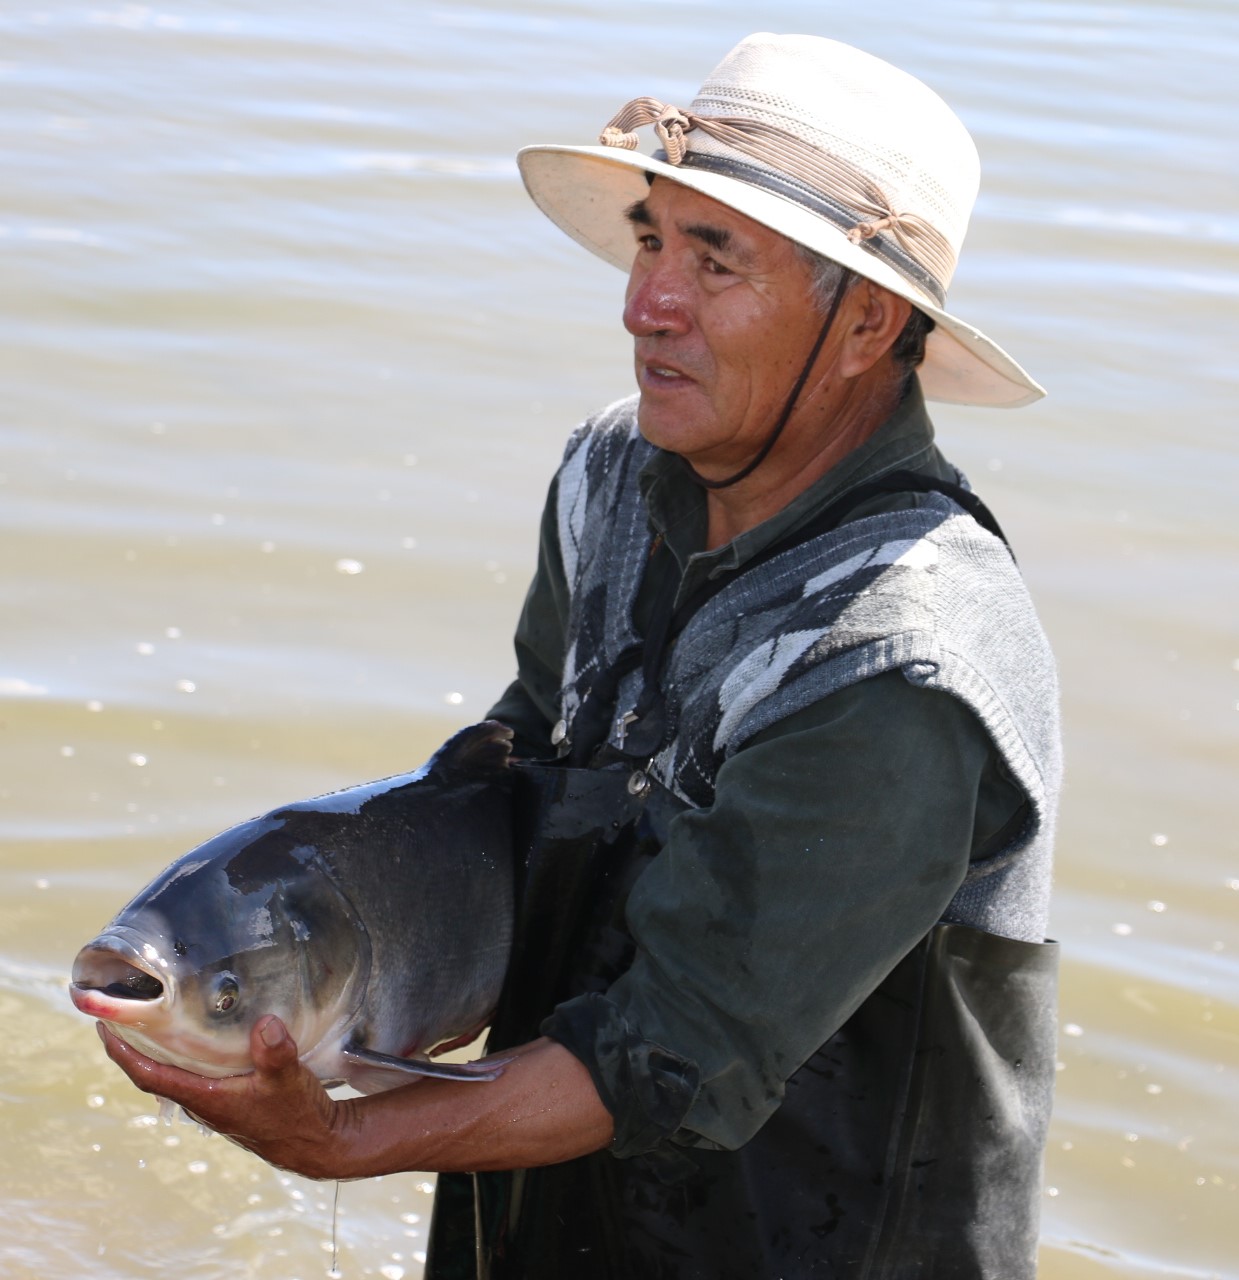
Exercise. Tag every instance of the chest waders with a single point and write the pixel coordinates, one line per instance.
(907, 1147)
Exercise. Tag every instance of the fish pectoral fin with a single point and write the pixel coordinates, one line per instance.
(489, 1069)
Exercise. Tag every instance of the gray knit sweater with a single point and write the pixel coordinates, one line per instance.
(926, 592)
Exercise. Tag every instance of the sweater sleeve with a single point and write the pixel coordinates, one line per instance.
(835, 842)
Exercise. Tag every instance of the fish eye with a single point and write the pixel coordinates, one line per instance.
(227, 993)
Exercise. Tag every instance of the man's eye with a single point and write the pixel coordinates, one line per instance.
(650, 242)
(715, 267)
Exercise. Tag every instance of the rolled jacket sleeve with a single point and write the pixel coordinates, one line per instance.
(835, 842)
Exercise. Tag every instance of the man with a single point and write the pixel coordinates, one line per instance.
(780, 1002)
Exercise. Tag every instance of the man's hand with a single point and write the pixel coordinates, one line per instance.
(542, 1109)
(279, 1111)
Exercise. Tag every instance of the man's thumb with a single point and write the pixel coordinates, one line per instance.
(272, 1046)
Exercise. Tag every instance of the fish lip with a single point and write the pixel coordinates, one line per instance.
(133, 949)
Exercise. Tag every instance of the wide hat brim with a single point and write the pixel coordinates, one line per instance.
(585, 190)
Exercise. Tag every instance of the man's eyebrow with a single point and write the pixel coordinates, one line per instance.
(717, 238)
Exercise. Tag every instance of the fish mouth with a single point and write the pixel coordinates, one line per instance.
(113, 977)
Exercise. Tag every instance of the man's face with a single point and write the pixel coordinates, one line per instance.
(723, 317)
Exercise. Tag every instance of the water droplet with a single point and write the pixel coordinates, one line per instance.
(1158, 839)
(186, 686)
(95, 1100)
(1123, 930)
(42, 883)
(392, 1272)
(1051, 1191)
(1155, 905)
(426, 1188)
(197, 1166)
(173, 633)
(350, 567)
(1152, 1088)
(454, 699)
(137, 758)
(1073, 1029)
(411, 1218)
(145, 648)
(94, 705)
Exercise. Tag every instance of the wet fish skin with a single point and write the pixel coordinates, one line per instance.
(375, 921)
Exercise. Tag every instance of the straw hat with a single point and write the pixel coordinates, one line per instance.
(833, 148)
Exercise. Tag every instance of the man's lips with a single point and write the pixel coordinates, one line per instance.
(660, 373)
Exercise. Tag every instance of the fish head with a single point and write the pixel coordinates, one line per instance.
(250, 923)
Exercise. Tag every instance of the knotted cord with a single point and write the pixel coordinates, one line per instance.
(836, 178)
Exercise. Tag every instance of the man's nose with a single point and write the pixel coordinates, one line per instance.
(656, 300)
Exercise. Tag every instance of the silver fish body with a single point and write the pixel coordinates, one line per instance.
(375, 921)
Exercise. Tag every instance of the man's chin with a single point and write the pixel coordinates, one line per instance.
(662, 427)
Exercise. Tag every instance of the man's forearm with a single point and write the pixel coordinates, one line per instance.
(542, 1110)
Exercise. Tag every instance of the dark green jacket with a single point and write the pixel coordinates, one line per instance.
(827, 889)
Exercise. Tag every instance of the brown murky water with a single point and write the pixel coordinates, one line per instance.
(286, 361)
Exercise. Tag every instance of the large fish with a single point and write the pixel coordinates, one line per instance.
(375, 921)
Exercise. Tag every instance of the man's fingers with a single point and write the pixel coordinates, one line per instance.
(147, 1074)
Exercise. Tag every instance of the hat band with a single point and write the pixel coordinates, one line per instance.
(813, 176)
(810, 198)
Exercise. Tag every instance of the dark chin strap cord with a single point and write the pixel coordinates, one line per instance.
(760, 456)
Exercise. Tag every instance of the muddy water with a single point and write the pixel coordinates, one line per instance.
(285, 363)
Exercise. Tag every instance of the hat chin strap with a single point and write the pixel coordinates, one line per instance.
(772, 439)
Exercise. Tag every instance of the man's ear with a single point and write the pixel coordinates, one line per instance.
(873, 318)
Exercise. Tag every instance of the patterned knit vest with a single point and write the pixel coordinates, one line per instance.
(927, 592)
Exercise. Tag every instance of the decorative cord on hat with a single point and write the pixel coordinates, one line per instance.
(834, 177)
